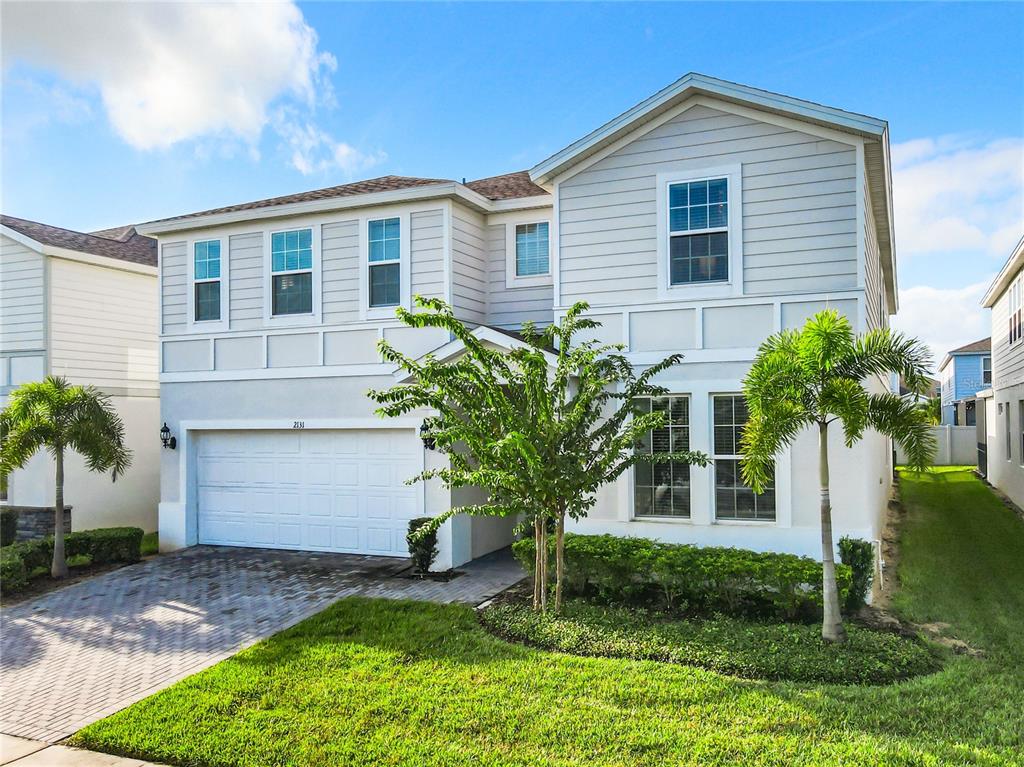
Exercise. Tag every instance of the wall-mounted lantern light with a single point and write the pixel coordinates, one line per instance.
(166, 439)
(428, 441)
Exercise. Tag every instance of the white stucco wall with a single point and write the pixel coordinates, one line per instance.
(1006, 471)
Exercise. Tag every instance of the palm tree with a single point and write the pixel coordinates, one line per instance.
(814, 377)
(54, 415)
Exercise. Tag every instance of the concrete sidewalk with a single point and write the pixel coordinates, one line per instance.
(21, 752)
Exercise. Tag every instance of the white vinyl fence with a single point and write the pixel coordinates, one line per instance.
(958, 446)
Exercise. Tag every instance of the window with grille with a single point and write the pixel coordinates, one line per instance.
(663, 489)
(291, 266)
(206, 280)
(733, 498)
(698, 226)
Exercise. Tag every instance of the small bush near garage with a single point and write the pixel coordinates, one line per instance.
(8, 526)
(859, 556)
(422, 549)
(680, 578)
(27, 559)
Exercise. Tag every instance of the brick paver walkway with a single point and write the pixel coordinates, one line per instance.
(78, 654)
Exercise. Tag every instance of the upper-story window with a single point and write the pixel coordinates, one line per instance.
(291, 267)
(385, 273)
(532, 250)
(698, 227)
(206, 278)
(735, 500)
(986, 370)
(1015, 310)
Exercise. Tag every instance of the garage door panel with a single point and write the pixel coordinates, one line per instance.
(338, 490)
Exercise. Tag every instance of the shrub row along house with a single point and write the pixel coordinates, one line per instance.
(84, 306)
(700, 221)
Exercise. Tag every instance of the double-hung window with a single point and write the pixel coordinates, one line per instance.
(385, 270)
(698, 229)
(735, 500)
(1015, 313)
(291, 267)
(532, 252)
(663, 489)
(986, 370)
(206, 281)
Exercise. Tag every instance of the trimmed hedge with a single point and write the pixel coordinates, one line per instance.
(422, 549)
(749, 649)
(679, 578)
(8, 526)
(103, 546)
(859, 555)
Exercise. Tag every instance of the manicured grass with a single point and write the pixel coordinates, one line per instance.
(150, 544)
(370, 682)
(754, 650)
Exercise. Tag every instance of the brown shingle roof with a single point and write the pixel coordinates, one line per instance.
(507, 187)
(984, 345)
(382, 184)
(122, 243)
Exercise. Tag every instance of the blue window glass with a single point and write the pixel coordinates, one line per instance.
(207, 260)
(291, 251)
(385, 239)
(531, 249)
(697, 205)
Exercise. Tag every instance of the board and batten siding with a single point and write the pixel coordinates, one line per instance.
(173, 287)
(427, 246)
(469, 265)
(22, 286)
(103, 326)
(799, 209)
(1007, 360)
(245, 270)
(510, 307)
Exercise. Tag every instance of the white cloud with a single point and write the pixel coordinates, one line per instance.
(944, 318)
(313, 150)
(955, 193)
(173, 72)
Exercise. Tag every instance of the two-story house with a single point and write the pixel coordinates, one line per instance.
(84, 305)
(1001, 431)
(964, 372)
(700, 221)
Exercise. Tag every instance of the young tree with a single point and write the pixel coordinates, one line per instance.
(540, 428)
(54, 415)
(814, 377)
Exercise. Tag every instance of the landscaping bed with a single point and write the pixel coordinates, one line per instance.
(735, 646)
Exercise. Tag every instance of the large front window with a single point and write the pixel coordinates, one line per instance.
(734, 499)
(663, 489)
(291, 266)
(698, 225)
(206, 278)
(385, 277)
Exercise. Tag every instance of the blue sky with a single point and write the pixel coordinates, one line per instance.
(115, 114)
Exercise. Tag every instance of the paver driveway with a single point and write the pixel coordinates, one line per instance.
(78, 654)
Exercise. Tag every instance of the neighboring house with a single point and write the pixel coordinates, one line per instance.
(84, 306)
(700, 221)
(963, 373)
(1001, 431)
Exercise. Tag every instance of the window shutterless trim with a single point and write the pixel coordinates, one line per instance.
(315, 271)
(366, 311)
(222, 322)
(512, 278)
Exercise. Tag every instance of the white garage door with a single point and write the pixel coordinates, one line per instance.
(337, 490)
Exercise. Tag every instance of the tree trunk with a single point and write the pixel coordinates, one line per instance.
(559, 559)
(59, 569)
(537, 565)
(832, 624)
(544, 564)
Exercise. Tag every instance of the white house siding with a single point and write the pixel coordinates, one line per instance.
(103, 327)
(509, 307)
(22, 306)
(469, 265)
(341, 259)
(173, 287)
(1007, 361)
(427, 246)
(799, 209)
(875, 313)
(246, 275)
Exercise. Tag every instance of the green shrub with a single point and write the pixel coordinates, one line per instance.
(859, 556)
(749, 649)
(35, 554)
(422, 549)
(106, 544)
(676, 577)
(8, 526)
(13, 576)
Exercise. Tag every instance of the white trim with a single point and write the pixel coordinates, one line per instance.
(454, 348)
(367, 312)
(730, 287)
(513, 280)
(862, 230)
(265, 373)
(316, 240)
(556, 250)
(744, 300)
(206, 326)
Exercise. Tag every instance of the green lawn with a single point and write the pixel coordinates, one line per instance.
(371, 682)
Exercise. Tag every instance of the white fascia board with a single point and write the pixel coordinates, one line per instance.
(1005, 276)
(453, 349)
(53, 251)
(692, 84)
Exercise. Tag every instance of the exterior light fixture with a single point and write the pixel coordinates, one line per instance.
(428, 441)
(166, 439)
